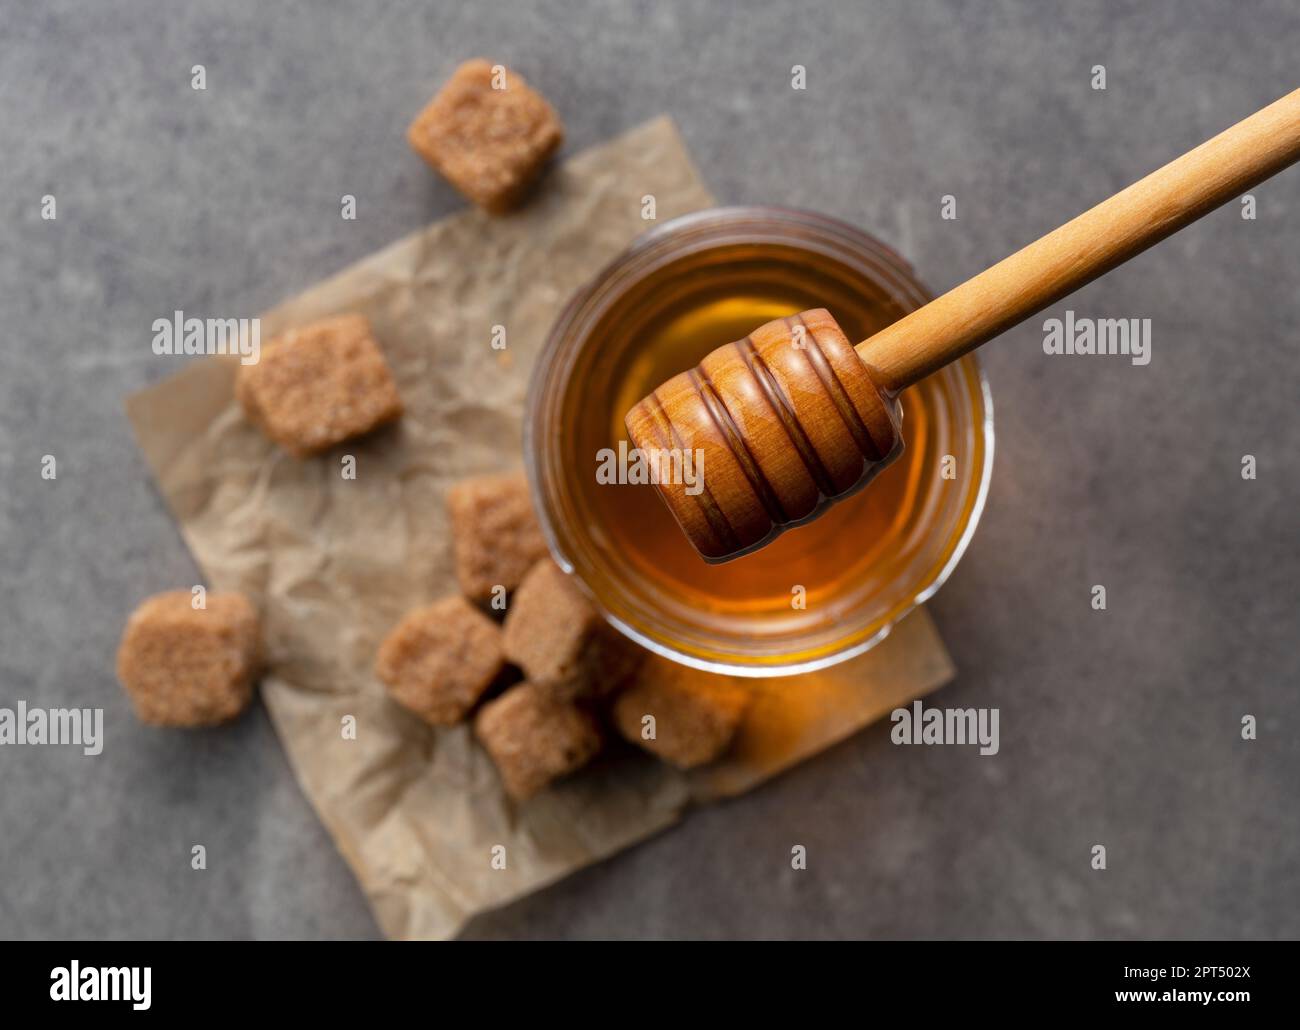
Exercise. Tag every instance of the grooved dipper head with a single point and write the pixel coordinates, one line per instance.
(765, 433)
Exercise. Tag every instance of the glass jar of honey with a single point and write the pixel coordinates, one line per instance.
(820, 593)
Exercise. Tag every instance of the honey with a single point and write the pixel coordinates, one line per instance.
(818, 587)
(818, 557)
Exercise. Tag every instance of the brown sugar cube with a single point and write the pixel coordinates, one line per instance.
(317, 386)
(534, 739)
(439, 659)
(488, 132)
(696, 714)
(495, 533)
(561, 641)
(187, 666)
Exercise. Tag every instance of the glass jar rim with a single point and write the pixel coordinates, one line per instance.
(672, 241)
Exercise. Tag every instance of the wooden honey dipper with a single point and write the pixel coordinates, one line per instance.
(793, 418)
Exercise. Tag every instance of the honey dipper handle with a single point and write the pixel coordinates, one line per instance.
(1091, 245)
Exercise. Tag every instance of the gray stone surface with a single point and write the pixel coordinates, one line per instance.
(1118, 728)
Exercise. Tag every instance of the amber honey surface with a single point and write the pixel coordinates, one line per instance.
(672, 319)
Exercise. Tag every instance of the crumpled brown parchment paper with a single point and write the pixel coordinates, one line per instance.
(333, 563)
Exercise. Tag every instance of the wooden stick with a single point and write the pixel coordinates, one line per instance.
(793, 417)
(1091, 245)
